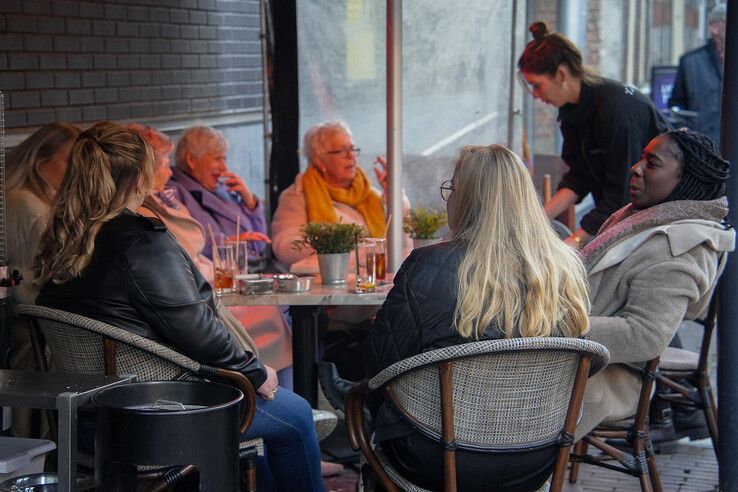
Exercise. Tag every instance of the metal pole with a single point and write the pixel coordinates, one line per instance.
(511, 110)
(728, 314)
(394, 131)
(267, 133)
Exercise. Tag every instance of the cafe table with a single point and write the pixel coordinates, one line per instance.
(304, 308)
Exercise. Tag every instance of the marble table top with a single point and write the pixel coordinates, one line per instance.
(318, 295)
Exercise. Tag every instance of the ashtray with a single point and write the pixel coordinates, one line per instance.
(288, 282)
(253, 283)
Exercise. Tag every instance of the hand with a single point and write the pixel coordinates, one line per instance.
(251, 236)
(380, 171)
(269, 388)
(235, 183)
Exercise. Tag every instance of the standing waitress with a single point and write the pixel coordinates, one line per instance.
(605, 125)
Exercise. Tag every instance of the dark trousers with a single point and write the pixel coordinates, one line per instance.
(420, 460)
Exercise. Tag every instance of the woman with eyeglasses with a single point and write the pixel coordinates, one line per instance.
(604, 125)
(333, 188)
(504, 273)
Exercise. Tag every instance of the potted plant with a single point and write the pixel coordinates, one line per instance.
(422, 224)
(332, 243)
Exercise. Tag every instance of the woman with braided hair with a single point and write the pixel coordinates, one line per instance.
(604, 125)
(654, 263)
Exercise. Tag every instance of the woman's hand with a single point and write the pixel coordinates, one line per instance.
(380, 171)
(578, 240)
(251, 236)
(234, 183)
(270, 386)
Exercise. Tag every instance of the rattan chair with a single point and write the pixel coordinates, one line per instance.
(81, 345)
(679, 365)
(532, 390)
(637, 459)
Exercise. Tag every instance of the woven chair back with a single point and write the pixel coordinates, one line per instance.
(512, 397)
(77, 346)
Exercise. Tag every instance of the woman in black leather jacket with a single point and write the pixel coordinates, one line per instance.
(100, 259)
(503, 273)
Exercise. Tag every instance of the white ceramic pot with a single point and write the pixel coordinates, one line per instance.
(333, 267)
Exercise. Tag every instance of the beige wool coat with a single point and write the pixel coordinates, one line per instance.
(648, 271)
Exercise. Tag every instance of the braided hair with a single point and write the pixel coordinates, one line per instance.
(704, 172)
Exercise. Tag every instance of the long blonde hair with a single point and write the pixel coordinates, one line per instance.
(107, 164)
(516, 271)
(25, 159)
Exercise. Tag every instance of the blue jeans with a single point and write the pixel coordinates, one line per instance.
(292, 458)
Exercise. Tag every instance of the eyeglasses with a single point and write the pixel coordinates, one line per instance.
(344, 150)
(446, 188)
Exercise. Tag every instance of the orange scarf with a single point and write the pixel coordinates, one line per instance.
(319, 195)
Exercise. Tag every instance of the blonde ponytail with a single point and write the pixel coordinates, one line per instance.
(107, 164)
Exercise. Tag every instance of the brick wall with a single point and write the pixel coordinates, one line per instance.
(80, 61)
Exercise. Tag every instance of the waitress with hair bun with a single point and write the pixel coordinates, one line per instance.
(604, 125)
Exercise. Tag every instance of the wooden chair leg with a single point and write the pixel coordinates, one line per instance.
(653, 471)
(711, 417)
(557, 480)
(580, 448)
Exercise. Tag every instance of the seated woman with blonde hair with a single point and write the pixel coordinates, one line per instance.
(503, 273)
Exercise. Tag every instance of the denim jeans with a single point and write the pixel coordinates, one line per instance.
(292, 457)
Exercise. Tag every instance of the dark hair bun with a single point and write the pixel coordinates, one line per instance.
(538, 30)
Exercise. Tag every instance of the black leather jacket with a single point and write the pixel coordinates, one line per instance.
(141, 280)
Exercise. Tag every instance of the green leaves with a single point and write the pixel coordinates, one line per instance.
(422, 223)
(327, 238)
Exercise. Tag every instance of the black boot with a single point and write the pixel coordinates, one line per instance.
(661, 426)
(690, 422)
(334, 386)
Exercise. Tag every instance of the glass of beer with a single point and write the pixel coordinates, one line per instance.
(380, 252)
(367, 268)
(224, 266)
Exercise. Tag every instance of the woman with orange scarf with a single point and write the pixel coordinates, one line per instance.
(334, 188)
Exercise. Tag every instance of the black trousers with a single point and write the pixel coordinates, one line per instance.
(420, 460)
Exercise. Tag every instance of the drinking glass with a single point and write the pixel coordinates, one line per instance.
(367, 269)
(240, 257)
(224, 266)
(380, 251)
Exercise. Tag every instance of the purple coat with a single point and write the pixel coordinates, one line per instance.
(220, 209)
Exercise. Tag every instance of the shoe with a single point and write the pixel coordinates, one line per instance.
(663, 436)
(335, 388)
(689, 422)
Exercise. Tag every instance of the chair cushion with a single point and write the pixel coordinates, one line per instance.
(676, 359)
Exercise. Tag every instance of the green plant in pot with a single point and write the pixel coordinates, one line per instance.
(333, 244)
(422, 224)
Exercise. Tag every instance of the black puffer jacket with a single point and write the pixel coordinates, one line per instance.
(141, 280)
(416, 317)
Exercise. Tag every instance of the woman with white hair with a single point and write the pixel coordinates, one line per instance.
(216, 197)
(333, 188)
(504, 273)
